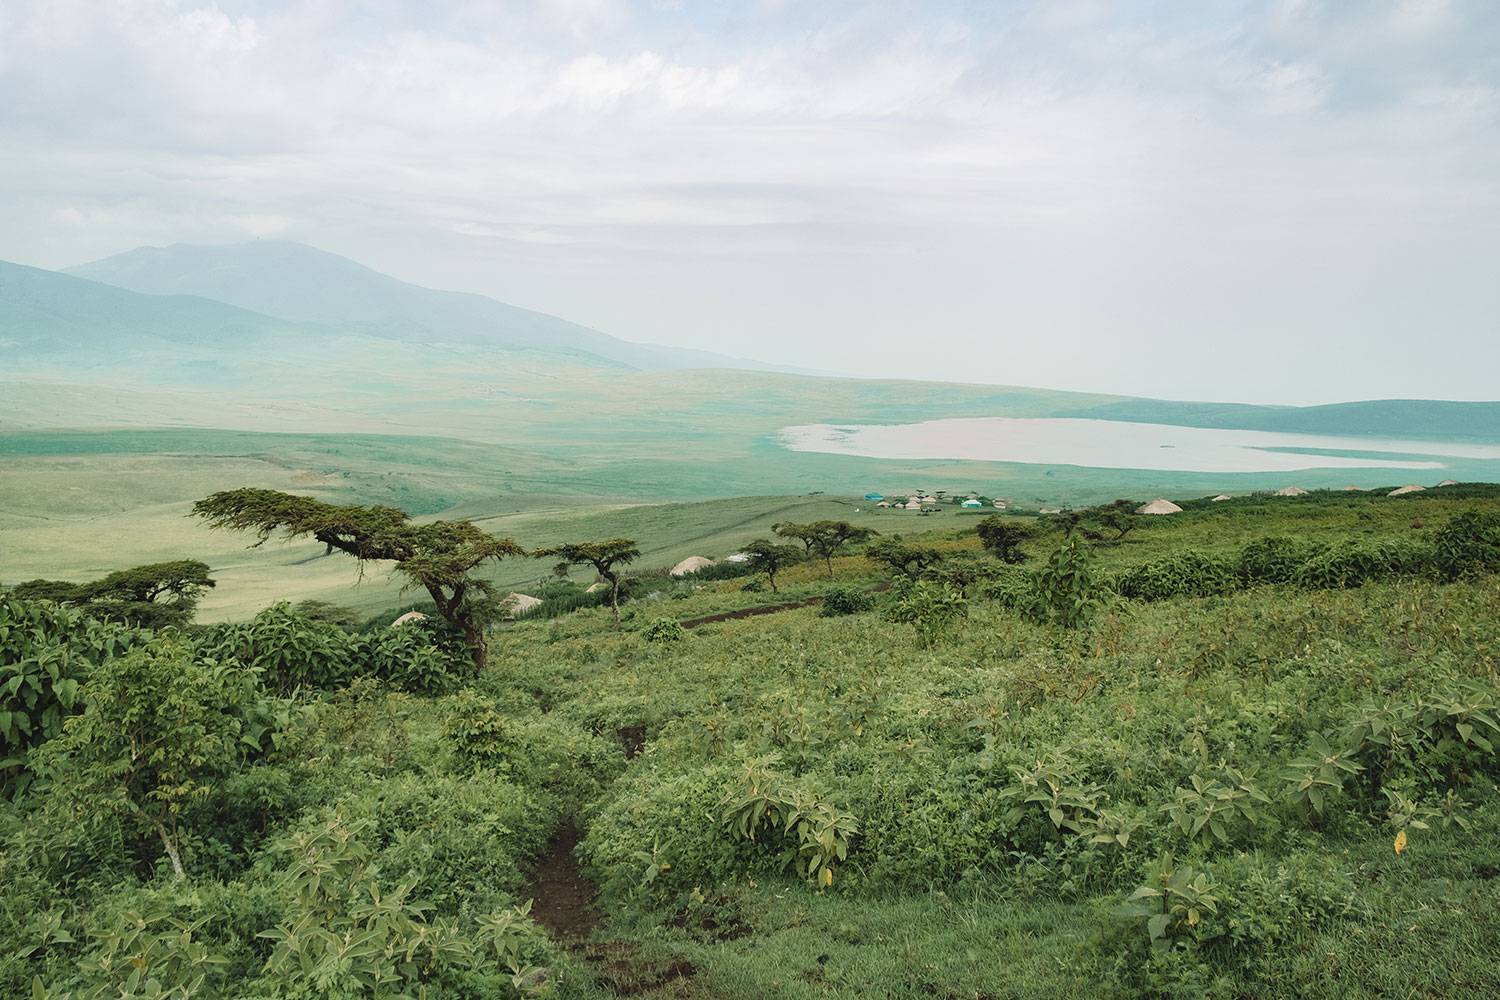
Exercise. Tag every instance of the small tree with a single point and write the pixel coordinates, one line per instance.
(769, 558)
(156, 731)
(910, 560)
(824, 537)
(152, 596)
(440, 557)
(1003, 537)
(603, 556)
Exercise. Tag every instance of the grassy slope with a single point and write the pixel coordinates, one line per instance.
(1328, 909)
(940, 896)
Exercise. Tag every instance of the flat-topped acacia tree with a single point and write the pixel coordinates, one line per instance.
(603, 556)
(440, 557)
(824, 537)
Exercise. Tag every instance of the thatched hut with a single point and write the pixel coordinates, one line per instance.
(691, 564)
(515, 603)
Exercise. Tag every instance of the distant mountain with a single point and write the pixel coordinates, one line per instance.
(295, 282)
(47, 312)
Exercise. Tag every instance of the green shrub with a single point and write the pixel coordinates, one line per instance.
(1188, 575)
(1468, 544)
(291, 652)
(1068, 591)
(47, 652)
(934, 609)
(1274, 559)
(665, 630)
(1355, 564)
(845, 601)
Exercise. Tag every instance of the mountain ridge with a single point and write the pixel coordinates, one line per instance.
(300, 283)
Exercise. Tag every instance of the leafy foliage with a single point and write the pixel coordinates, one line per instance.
(47, 654)
(157, 595)
(770, 558)
(824, 538)
(1003, 536)
(441, 556)
(603, 556)
(844, 601)
(1068, 592)
(158, 729)
(665, 630)
(934, 609)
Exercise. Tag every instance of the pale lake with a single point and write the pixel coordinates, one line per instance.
(1114, 444)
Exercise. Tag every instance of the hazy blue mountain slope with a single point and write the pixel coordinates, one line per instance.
(1393, 418)
(301, 283)
(47, 312)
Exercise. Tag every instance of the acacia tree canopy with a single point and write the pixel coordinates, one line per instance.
(824, 537)
(768, 557)
(603, 556)
(1003, 538)
(149, 596)
(910, 560)
(440, 557)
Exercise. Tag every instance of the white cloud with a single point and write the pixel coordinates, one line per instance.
(838, 171)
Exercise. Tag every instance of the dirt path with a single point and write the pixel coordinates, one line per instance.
(563, 900)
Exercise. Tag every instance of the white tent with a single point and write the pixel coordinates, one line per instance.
(1291, 491)
(1412, 488)
(1159, 506)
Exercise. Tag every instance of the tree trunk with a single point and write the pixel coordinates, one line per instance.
(170, 844)
(828, 560)
(478, 649)
(614, 601)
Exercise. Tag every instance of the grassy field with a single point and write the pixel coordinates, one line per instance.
(77, 504)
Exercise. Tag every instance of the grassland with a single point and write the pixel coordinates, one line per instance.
(78, 504)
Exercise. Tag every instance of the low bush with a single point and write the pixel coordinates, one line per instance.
(845, 601)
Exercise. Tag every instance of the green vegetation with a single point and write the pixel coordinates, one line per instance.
(1245, 750)
(824, 538)
(440, 557)
(152, 596)
(602, 556)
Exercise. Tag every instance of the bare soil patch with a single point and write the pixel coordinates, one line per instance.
(563, 900)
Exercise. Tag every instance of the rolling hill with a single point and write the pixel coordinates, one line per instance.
(295, 282)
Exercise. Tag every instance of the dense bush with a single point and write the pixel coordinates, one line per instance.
(845, 601)
(1467, 544)
(665, 630)
(47, 652)
(294, 653)
(1190, 574)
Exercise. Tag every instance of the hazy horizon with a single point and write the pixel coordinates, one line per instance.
(1279, 202)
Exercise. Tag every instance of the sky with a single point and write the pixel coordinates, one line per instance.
(1291, 201)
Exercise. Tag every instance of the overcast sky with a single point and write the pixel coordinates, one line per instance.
(1271, 202)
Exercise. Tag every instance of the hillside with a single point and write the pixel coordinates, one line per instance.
(45, 314)
(300, 283)
(1243, 747)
